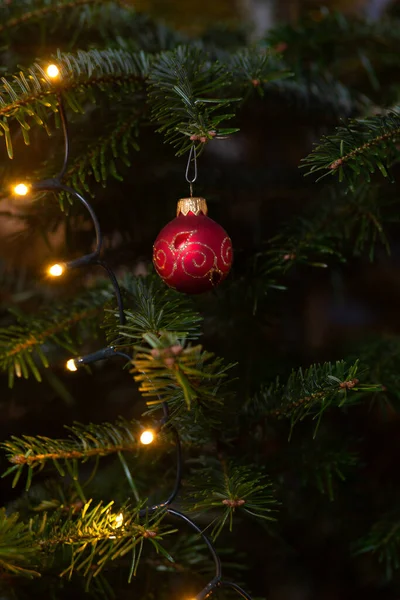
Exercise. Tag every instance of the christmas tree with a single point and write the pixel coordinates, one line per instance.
(175, 425)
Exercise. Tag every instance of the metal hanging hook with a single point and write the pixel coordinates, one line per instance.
(192, 156)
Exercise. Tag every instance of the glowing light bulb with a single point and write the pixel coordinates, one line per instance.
(55, 270)
(147, 437)
(21, 189)
(71, 365)
(52, 71)
(119, 519)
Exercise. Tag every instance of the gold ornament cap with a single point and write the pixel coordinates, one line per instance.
(193, 205)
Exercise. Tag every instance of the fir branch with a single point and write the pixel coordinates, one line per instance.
(155, 308)
(98, 535)
(324, 466)
(382, 352)
(310, 392)
(22, 350)
(310, 46)
(181, 93)
(342, 225)
(309, 245)
(383, 540)
(184, 376)
(70, 13)
(18, 549)
(231, 488)
(29, 95)
(47, 496)
(189, 554)
(84, 443)
(54, 9)
(95, 159)
(98, 160)
(190, 557)
(357, 149)
(257, 66)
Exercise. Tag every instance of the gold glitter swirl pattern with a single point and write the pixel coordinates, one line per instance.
(226, 251)
(164, 259)
(198, 256)
(193, 258)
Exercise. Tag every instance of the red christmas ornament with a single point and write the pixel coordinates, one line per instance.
(192, 253)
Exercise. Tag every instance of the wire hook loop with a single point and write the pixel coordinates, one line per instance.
(192, 157)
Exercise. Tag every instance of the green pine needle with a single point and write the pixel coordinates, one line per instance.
(31, 94)
(310, 393)
(183, 88)
(187, 377)
(86, 442)
(358, 149)
(383, 540)
(18, 547)
(24, 346)
(152, 307)
(98, 535)
(229, 489)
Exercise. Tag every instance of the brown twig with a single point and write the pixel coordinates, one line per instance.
(21, 459)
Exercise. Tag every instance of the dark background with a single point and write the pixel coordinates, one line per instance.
(253, 186)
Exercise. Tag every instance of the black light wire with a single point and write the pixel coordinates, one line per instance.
(56, 185)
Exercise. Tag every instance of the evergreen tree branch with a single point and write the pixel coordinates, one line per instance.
(257, 66)
(310, 392)
(383, 354)
(87, 441)
(21, 345)
(357, 149)
(182, 85)
(29, 95)
(231, 488)
(18, 549)
(383, 540)
(155, 308)
(310, 47)
(94, 161)
(324, 466)
(342, 225)
(189, 554)
(55, 9)
(99, 158)
(184, 376)
(98, 535)
(84, 443)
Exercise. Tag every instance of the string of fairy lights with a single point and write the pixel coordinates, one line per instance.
(55, 184)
